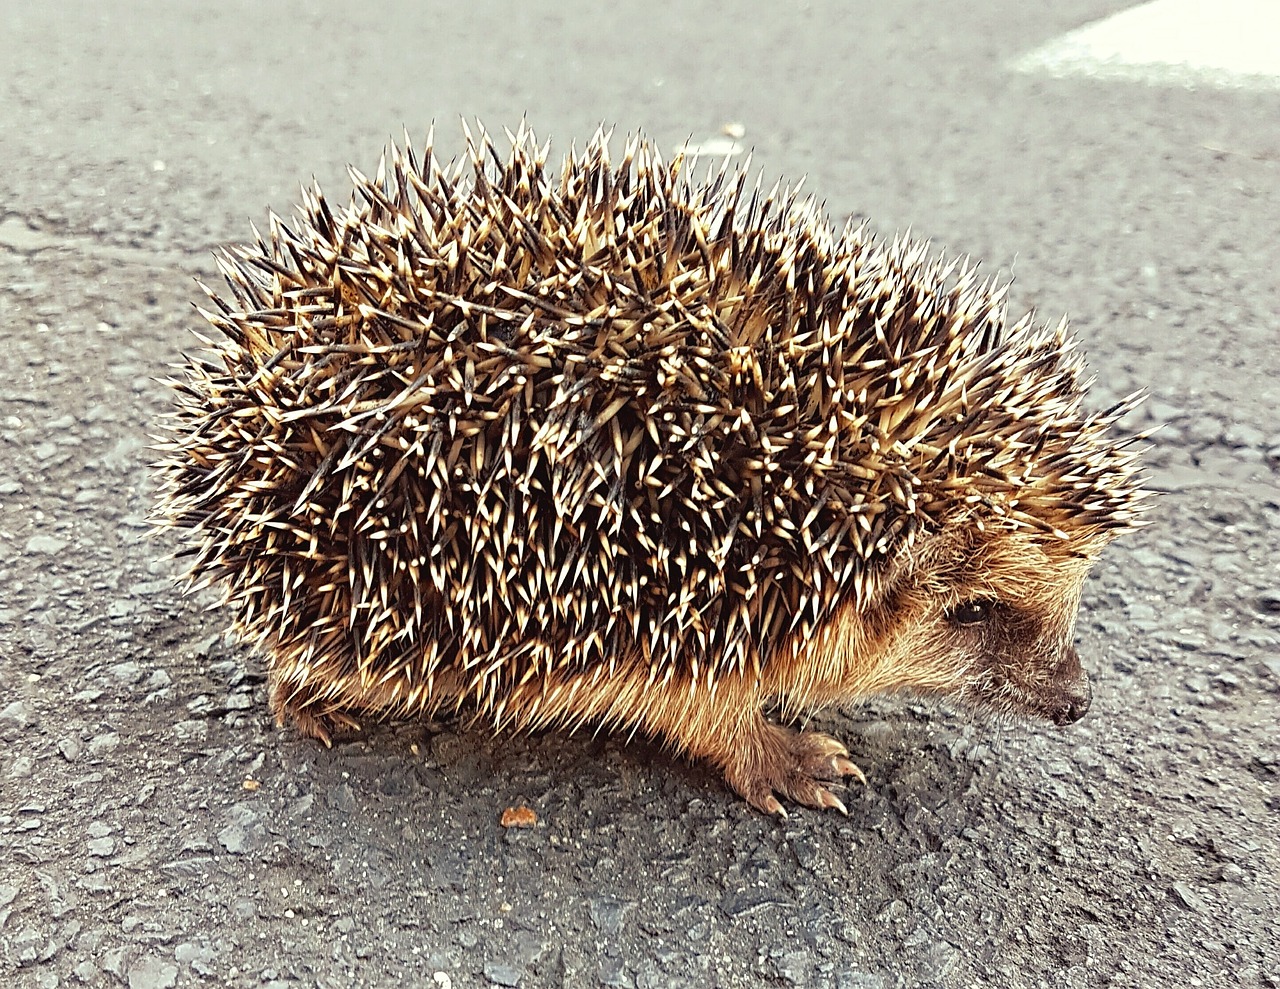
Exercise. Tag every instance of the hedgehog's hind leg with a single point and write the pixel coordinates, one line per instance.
(308, 717)
(765, 760)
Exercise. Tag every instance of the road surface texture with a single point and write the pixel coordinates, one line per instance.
(157, 830)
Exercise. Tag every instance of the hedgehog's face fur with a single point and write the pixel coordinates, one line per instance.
(987, 617)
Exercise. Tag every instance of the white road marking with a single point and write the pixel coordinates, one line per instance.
(1228, 43)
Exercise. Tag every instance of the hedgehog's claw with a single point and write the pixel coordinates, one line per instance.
(315, 726)
(799, 766)
(846, 768)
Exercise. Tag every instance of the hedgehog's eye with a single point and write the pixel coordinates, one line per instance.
(971, 612)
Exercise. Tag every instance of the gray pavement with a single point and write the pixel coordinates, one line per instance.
(156, 830)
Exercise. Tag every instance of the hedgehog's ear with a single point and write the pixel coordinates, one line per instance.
(925, 562)
(960, 561)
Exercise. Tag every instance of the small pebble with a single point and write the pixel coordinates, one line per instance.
(48, 545)
(70, 748)
(502, 974)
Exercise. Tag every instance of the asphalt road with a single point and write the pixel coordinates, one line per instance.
(155, 830)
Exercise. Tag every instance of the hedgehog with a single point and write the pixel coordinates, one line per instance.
(617, 446)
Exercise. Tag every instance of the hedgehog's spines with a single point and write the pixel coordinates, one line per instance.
(479, 406)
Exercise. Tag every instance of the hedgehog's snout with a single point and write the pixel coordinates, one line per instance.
(1074, 706)
(1075, 694)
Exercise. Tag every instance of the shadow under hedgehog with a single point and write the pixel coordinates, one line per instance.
(613, 446)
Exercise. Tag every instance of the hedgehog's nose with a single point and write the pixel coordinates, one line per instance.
(1074, 705)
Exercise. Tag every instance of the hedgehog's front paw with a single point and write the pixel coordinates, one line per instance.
(798, 765)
